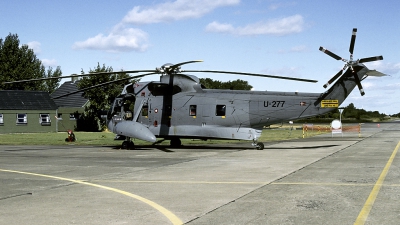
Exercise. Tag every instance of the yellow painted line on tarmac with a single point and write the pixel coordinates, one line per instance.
(171, 217)
(182, 182)
(362, 217)
(241, 182)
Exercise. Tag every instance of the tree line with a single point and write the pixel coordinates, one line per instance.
(19, 62)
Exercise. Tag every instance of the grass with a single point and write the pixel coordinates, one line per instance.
(275, 133)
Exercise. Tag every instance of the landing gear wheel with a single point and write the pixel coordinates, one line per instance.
(128, 145)
(260, 146)
(175, 142)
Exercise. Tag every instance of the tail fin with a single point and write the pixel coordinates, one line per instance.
(342, 88)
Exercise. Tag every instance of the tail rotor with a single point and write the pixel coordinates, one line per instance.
(349, 63)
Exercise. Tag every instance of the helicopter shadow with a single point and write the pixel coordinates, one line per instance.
(169, 149)
(305, 147)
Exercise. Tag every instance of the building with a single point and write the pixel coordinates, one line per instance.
(70, 107)
(27, 112)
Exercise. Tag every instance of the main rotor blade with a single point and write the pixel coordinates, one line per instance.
(250, 74)
(334, 78)
(353, 40)
(371, 59)
(79, 75)
(183, 63)
(102, 84)
(331, 54)
(358, 82)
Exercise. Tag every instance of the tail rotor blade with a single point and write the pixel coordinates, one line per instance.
(358, 82)
(331, 54)
(353, 40)
(371, 59)
(333, 78)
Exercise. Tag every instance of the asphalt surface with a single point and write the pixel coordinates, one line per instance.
(318, 180)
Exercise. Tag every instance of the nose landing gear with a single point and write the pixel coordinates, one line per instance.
(258, 145)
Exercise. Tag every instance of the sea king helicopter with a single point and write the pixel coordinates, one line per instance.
(178, 106)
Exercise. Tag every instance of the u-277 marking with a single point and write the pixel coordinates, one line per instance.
(274, 103)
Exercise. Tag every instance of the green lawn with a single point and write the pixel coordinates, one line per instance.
(107, 138)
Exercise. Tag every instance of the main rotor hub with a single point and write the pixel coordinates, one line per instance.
(168, 68)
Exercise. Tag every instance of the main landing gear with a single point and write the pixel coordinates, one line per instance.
(128, 144)
(175, 142)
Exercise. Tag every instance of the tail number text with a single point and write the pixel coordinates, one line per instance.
(274, 103)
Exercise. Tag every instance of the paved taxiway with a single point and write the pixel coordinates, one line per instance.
(318, 180)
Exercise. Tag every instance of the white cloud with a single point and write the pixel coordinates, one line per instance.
(35, 46)
(220, 27)
(284, 26)
(120, 39)
(49, 62)
(123, 39)
(367, 85)
(173, 11)
(387, 68)
(276, 6)
(299, 48)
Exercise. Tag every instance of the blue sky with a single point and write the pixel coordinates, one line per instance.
(257, 36)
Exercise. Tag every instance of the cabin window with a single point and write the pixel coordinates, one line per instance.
(44, 119)
(22, 119)
(1, 119)
(192, 110)
(59, 116)
(220, 110)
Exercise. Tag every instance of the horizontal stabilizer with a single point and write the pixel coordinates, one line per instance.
(375, 73)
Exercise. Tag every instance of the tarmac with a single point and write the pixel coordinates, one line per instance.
(349, 179)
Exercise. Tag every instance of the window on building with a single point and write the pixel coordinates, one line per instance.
(1, 119)
(192, 110)
(59, 116)
(73, 116)
(44, 119)
(220, 110)
(22, 118)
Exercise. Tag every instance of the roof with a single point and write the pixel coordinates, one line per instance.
(74, 100)
(26, 100)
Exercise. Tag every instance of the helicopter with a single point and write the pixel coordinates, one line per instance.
(179, 107)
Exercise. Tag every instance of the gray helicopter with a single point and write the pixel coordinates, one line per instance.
(178, 106)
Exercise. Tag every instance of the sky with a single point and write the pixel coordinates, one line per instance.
(275, 37)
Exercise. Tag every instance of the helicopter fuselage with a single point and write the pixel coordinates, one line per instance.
(189, 111)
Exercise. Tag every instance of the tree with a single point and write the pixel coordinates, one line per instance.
(52, 84)
(232, 85)
(100, 98)
(20, 63)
